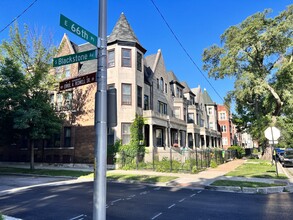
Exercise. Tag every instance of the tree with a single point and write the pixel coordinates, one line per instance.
(11, 92)
(29, 111)
(258, 53)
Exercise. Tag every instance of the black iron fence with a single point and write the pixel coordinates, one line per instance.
(176, 160)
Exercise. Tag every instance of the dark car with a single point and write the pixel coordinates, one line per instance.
(280, 154)
(287, 158)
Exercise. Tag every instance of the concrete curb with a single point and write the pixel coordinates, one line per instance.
(10, 218)
(250, 190)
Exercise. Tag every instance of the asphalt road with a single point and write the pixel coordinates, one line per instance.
(137, 201)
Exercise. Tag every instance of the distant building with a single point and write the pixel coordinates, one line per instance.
(226, 126)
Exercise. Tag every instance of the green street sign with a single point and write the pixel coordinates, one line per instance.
(78, 30)
(74, 58)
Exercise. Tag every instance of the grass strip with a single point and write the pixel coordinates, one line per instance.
(141, 178)
(257, 169)
(245, 184)
(85, 174)
(47, 172)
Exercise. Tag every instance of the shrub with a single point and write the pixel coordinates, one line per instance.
(213, 164)
(239, 151)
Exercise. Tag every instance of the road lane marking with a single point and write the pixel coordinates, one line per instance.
(171, 206)
(199, 191)
(181, 200)
(78, 217)
(158, 188)
(156, 216)
(192, 195)
(143, 193)
(117, 200)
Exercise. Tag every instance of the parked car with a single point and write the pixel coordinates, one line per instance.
(287, 158)
(280, 154)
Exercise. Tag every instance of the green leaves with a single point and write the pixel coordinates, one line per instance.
(24, 83)
(258, 53)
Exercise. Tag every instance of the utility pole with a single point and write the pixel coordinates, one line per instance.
(100, 169)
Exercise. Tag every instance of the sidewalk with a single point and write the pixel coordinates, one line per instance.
(200, 179)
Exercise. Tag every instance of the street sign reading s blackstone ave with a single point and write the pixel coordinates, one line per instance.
(78, 30)
(74, 58)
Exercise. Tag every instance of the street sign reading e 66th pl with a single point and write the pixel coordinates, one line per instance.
(74, 58)
(78, 30)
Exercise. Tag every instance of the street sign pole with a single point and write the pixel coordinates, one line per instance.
(273, 147)
(99, 197)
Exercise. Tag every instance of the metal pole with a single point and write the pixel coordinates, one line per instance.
(100, 180)
(273, 147)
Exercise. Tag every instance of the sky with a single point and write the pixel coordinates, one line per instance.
(197, 24)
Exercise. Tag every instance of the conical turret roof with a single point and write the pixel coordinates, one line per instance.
(122, 31)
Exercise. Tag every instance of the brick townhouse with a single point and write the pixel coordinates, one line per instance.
(175, 115)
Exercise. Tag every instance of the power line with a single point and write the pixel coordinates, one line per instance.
(186, 52)
(19, 16)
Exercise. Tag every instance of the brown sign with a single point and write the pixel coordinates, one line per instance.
(79, 81)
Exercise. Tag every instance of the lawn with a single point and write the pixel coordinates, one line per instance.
(258, 169)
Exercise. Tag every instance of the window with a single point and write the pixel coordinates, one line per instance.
(54, 141)
(59, 102)
(68, 101)
(139, 96)
(222, 115)
(58, 72)
(146, 102)
(201, 123)
(110, 136)
(224, 141)
(210, 111)
(126, 94)
(162, 107)
(125, 133)
(139, 61)
(177, 112)
(111, 58)
(158, 84)
(161, 86)
(67, 71)
(211, 125)
(197, 118)
(166, 88)
(126, 57)
(223, 128)
(67, 136)
(190, 118)
(159, 137)
(184, 114)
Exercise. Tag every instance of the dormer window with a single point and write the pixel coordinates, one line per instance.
(126, 57)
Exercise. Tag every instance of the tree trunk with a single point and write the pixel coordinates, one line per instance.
(278, 100)
(32, 162)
